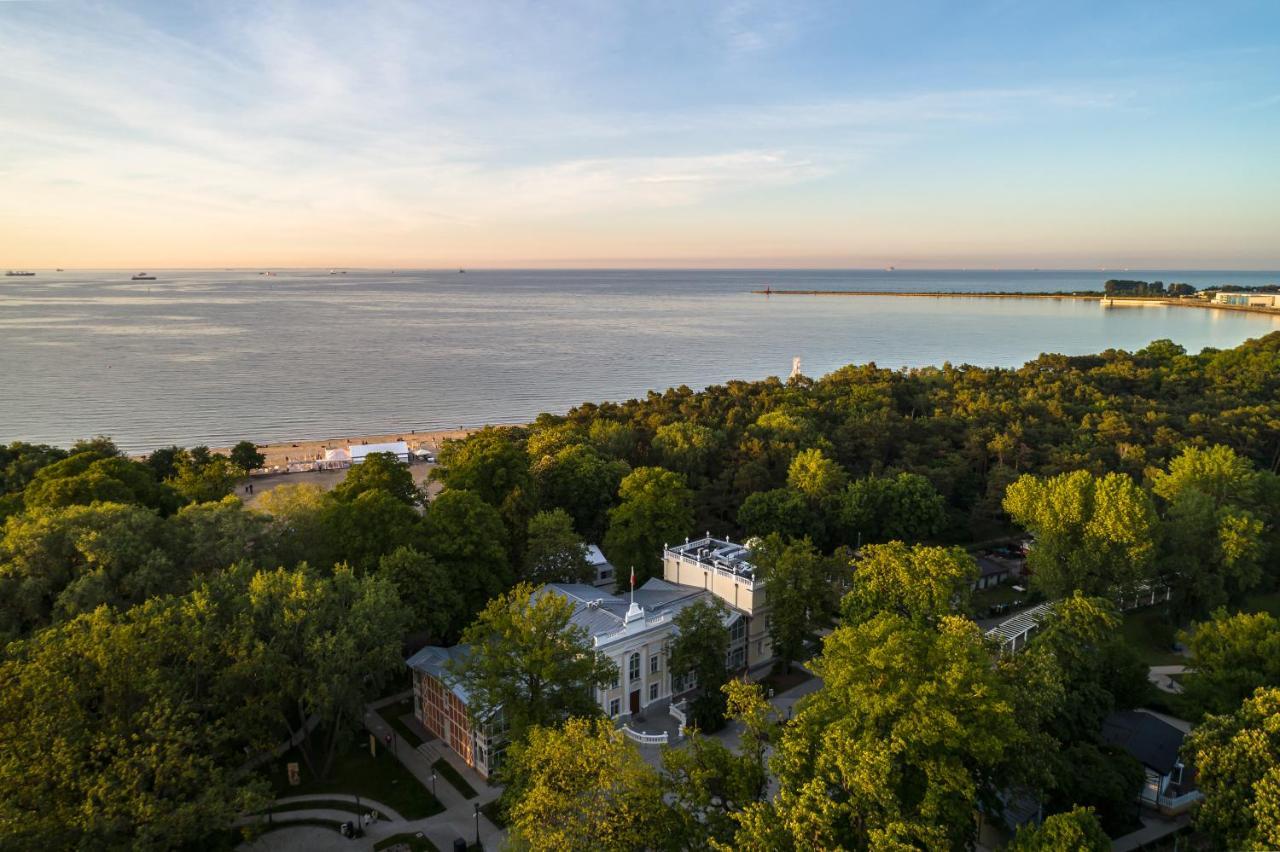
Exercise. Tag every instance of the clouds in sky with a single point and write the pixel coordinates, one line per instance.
(409, 133)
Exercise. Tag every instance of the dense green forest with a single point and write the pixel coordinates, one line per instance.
(159, 633)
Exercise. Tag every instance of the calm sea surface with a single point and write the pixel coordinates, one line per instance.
(213, 357)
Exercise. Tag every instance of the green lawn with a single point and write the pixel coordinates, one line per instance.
(448, 773)
(984, 599)
(416, 841)
(325, 804)
(493, 810)
(1151, 633)
(382, 778)
(1262, 602)
(391, 714)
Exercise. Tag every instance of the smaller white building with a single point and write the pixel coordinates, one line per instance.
(605, 575)
(359, 452)
(1249, 300)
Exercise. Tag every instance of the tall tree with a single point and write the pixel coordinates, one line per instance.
(379, 472)
(656, 509)
(530, 660)
(245, 456)
(101, 747)
(97, 475)
(783, 511)
(1097, 535)
(1234, 655)
(1237, 760)
(919, 582)
(208, 482)
(553, 552)
(466, 536)
(362, 529)
(437, 611)
(700, 648)
(490, 463)
(801, 585)
(303, 644)
(581, 481)
(1077, 829)
(687, 448)
(815, 476)
(1216, 526)
(865, 763)
(904, 507)
(58, 563)
(585, 787)
(299, 523)
(707, 783)
(209, 536)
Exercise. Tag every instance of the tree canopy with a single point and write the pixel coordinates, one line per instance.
(1237, 758)
(527, 659)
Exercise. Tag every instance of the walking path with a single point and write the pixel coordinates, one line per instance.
(458, 820)
(1160, 677)
(363, 801)
(1153, 828)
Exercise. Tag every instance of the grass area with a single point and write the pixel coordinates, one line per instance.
(1170, 704)
(448, 773)
(493, 812)
(1262, 602)
(318, 823)
(416, 841)
(382, 778)
(780, 682)
(1151, 633)
(1002, 599)
(326, 804)
(391, 714)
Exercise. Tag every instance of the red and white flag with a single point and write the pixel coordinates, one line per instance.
(633, 578)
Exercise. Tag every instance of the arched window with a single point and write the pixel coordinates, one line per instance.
(633, 667)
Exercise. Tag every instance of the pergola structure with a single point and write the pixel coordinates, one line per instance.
(1014, 633)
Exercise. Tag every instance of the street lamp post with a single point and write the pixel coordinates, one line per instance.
(433, 784)
(477, 807)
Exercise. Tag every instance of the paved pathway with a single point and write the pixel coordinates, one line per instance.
(457, 820)
(386, 811)
(418, 761)
(1153, 828)
(1160, 676)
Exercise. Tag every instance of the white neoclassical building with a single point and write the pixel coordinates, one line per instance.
(634, 630)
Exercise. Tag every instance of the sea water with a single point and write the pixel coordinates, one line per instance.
(205, 356)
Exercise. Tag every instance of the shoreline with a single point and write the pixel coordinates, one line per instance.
(1107, 301)
(280, 453)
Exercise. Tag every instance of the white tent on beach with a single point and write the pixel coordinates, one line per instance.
(334, 459)
(397, 448)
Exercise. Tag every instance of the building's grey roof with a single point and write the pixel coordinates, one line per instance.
(595, 556)
(988, 567)
(600, 613)
(434, 660)
(1154, 742)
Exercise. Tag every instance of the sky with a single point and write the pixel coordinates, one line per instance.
(617, 134)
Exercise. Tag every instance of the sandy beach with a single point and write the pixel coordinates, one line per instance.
(280, 454)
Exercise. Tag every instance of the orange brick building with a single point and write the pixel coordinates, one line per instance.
(442, 709)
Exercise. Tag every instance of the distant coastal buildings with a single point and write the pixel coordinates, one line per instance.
(1248, 300)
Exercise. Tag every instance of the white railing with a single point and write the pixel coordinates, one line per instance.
(1182, 801)
(678, 715)
(643, 738)
(634, 627)
(749, 582)
(1145, 595)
